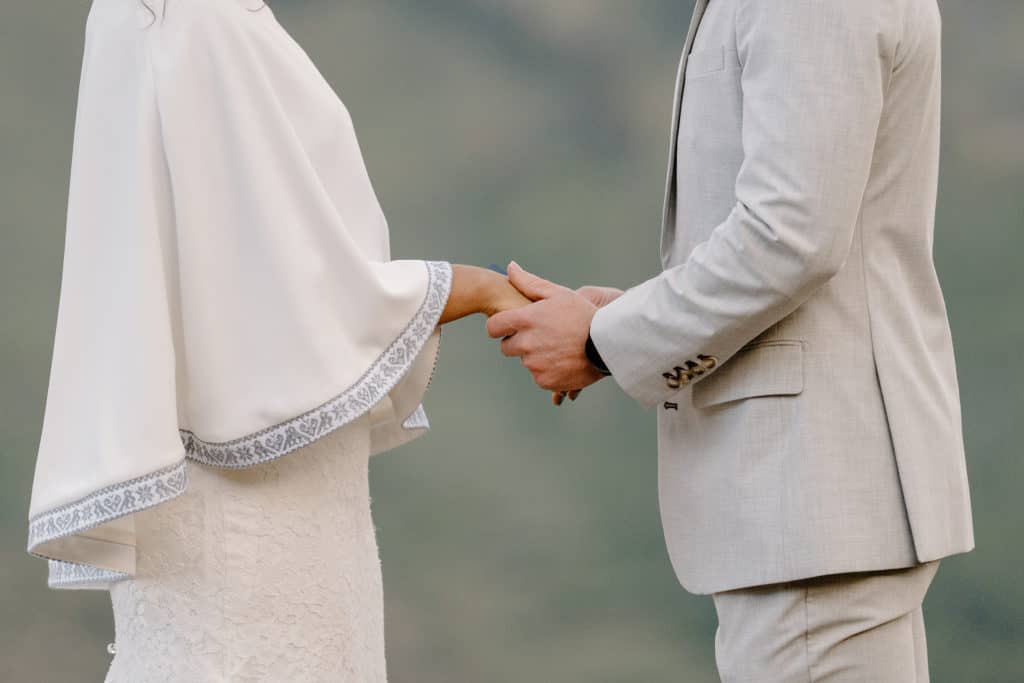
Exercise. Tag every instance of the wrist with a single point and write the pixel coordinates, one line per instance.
(490, 289)
(471, 292)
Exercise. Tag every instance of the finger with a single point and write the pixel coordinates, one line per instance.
(557, 397)
(543, 380)
(532, 286)
(574, 394)
(592, 294)
(512, 346)
(504, 324)
(599, 296)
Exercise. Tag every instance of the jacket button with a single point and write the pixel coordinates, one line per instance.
(708, 362)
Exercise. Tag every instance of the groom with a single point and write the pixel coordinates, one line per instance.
(796, 344)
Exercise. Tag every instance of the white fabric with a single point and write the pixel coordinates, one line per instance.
(228, 293)
(797, 342)
(268, 573)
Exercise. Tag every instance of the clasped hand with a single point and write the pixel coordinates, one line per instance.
(549, 336)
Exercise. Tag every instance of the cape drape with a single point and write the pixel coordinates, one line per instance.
(227, 293)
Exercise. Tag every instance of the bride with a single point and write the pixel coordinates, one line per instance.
(233, 344)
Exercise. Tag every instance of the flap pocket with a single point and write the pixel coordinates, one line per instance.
(710, 61)
(768, 368)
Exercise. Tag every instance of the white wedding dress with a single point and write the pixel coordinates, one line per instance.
(268, 574)
(234, 342)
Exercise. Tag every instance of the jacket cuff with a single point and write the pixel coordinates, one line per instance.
(643, 384)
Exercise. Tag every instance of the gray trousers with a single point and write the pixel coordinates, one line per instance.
(847, 628)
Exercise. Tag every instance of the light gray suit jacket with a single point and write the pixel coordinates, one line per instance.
(797, 344)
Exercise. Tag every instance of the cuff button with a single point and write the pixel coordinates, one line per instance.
(708, 362)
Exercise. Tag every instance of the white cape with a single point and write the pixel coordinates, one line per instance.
(227, 294)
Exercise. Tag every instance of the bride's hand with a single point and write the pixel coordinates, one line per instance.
(480, 290)
(503, 297)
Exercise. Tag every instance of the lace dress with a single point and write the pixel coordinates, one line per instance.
(263, 574)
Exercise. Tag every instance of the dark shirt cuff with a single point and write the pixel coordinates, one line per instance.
(595, 357)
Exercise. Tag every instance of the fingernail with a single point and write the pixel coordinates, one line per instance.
(513, 264)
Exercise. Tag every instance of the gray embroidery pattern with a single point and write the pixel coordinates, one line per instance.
(132, 496)
(71, 575)
(106, 504)
(366, 392)
(417, 420)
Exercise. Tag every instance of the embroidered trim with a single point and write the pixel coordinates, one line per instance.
(132, 496)
(73, 575)
(417, 420)
(355, 401)
(107, 504)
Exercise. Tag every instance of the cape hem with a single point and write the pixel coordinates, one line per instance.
(135, 495)
(97, 509)
(376, 383)
(72, 575)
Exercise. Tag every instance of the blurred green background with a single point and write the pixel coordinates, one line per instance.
(520, 542)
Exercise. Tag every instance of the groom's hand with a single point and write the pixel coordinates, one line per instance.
(549, 336)
(599, 296)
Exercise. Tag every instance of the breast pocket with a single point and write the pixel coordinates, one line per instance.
(767, 368)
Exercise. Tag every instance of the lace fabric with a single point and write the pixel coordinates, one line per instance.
(269, 573)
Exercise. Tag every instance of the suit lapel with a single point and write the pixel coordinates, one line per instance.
(668, 216)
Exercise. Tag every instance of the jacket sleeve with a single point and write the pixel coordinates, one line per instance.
(813, 79)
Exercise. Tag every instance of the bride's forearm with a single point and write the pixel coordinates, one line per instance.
(479, 290)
